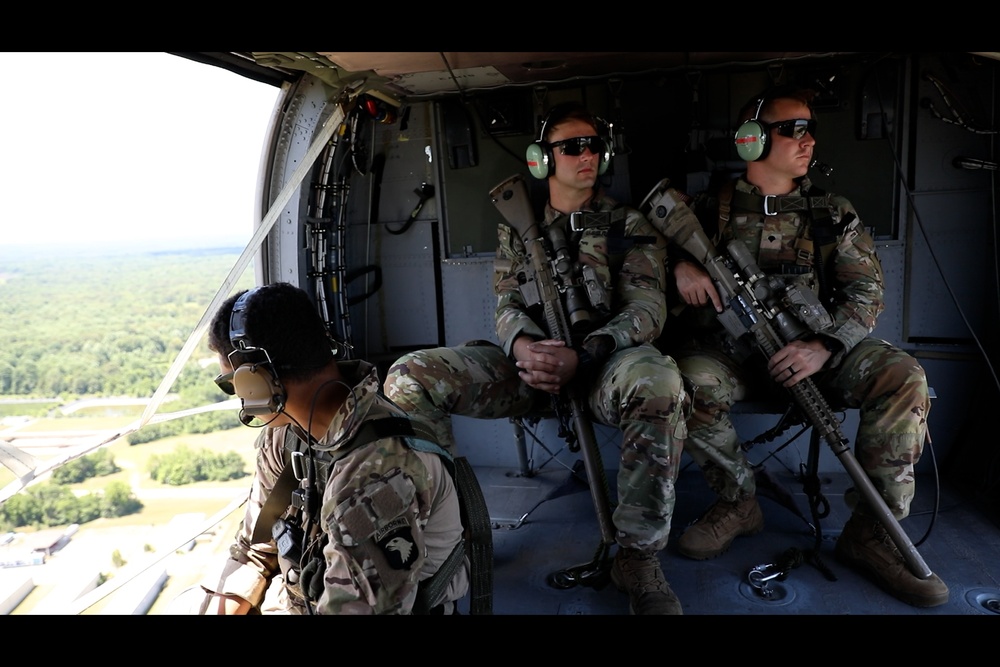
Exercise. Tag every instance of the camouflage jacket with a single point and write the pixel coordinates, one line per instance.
(637, 307)
(857, 284)
(782, 244)
(390, 514)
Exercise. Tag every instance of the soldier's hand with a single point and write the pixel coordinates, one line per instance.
(797, 361)
(546, 365)
(695, 286)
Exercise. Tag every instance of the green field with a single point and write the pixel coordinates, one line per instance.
(17, 408)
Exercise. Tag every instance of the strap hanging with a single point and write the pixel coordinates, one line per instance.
(276, 504)
(479, 528)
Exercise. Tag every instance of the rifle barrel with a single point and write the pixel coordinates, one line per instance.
(511, 199)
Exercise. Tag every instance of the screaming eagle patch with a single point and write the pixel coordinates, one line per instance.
(397, 544)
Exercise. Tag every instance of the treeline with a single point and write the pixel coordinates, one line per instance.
(50, 504)
(186, 466)
(196, 388)
(55, 504)
(104, 325)
(96, 325)
(98, 464)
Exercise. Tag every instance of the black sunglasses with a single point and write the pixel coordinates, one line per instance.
(225, 383)
(576, 145)
(795, 128)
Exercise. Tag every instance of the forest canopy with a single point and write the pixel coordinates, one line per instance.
(91, 325)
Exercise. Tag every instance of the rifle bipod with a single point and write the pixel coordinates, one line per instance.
(595, 574)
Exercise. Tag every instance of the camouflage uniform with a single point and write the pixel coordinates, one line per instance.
(887, 385)
(638, 389)
(376, 494)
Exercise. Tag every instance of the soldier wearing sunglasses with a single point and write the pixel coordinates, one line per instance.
(628, 383)
(819, 242)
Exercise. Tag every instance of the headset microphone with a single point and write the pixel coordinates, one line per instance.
(822, 167)
(245, 419)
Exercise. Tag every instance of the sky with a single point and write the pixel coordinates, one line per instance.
(142, 148)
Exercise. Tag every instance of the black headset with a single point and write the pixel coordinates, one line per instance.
(541, 162)
(256, 383)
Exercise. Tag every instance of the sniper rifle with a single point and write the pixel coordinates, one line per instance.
(548, 282)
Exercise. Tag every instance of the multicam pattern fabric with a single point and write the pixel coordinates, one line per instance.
(887, 385)
(638, 303)
(638, 389)
(390, 514)
(784, 240)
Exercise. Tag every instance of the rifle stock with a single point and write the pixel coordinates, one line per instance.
(511, 199)
(749, 309)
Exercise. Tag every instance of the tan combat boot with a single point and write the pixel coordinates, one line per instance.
(864, 544)
(639, 574)
(722, 523)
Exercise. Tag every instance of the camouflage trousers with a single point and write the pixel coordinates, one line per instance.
(887, 385)
(639, 390)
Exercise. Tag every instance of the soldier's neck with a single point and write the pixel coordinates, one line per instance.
(568, 200)
(769, 182)
(313, 403)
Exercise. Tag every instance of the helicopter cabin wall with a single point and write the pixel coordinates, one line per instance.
(421, 230)
(951, 304)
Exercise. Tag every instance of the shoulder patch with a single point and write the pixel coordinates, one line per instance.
(397, 544)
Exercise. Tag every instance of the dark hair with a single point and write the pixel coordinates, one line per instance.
(565, 111)
(747, 111)
(281, 319)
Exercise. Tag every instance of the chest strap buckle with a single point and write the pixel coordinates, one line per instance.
(770, 204)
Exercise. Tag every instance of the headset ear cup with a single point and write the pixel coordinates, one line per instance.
(606, 156)
(539, 160)
(751, 141)
(260, 392)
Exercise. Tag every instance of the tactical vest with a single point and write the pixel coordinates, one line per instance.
(477, 536)
(611, 225)
(822, 232)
